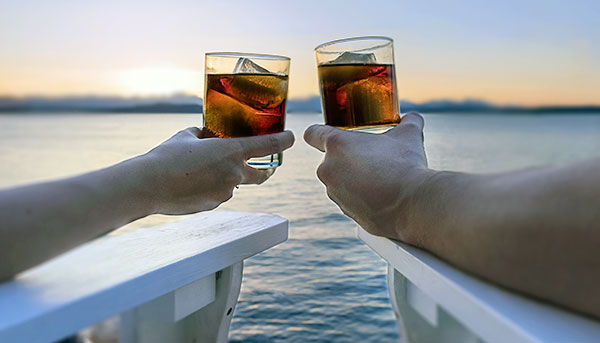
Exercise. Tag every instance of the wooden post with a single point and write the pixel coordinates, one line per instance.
(419, 317)
(196, 313)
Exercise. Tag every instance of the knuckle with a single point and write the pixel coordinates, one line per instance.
(227, 195)
(211, 205)
(238, 178)
(229, 157)
(188, 131)
(345, 211)
(232, 178)
(177, 136)
(411, 125)
(333, 142)
(220, 197)
(324, 173)
(275, 143)
(331, 196)
(413, 156)
(261, 179)
(237, 150)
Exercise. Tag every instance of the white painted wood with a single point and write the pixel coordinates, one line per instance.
(194, 296)
(492, 313)
(214, 319)
(115, 273)
(153, 322)
(181, 302)
(414, 324)
(396, 297)
(422, 303)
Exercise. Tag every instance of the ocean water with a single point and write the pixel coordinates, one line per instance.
(323, 284)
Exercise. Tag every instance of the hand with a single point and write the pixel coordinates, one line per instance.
(190, 173)
(374, 178)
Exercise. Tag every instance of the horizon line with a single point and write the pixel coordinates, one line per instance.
(301, 98)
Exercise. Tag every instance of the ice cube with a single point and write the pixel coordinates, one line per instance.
(352, 57)
(372, 99)
(227, 117)
(245, 65)
(259, 91)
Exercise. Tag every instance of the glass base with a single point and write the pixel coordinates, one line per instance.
(373, 129)
(266, 162)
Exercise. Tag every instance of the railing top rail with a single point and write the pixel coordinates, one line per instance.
(492, 312)
(116, 272)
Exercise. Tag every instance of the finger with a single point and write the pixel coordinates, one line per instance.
(252, 175)
(411, 124)
(194, 131)
(413, 117)
(258, 146)
(318, 135)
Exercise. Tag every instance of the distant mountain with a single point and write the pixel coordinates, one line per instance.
(183, 103)
(174, 103)
(447, 106)
(311, 105)
(159, 108)
(473, 105)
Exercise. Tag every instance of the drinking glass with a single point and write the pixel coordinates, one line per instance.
(245, 95)
(358, 83)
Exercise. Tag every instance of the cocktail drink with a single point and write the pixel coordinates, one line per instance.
(358, 84)
(245, 95)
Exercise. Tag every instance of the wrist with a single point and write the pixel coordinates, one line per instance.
(428, 208)
(141, 184)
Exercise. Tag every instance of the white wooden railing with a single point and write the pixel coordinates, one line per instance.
(435, 302)
(173, 283)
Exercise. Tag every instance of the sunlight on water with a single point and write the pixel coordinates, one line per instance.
(322, 285)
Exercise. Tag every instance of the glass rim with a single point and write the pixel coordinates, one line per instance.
(248, 54)
(319, 47)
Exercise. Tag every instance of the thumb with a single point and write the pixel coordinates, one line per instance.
(410, 132)
(411, 126)
(263, 145)
(318, 135)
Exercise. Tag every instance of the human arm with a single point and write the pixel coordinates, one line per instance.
(185, 174)
(536, 230)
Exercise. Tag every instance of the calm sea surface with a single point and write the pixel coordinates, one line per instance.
(322, 285)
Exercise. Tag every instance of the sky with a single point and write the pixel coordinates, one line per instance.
(525, 52)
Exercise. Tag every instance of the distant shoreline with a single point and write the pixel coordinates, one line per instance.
(300, 113)
(192, 104)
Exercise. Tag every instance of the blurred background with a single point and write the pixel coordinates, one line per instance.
(502, 85)
(505, 52)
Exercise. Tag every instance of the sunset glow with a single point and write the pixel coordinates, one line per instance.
(159, 81)
(518, 52)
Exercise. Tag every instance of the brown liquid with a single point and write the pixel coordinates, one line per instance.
(241, 105)
(359, 95)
